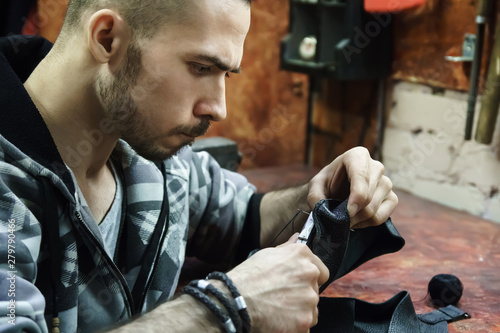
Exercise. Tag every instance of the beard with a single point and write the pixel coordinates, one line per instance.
(124, 114)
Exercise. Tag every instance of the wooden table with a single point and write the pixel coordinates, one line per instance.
(438, 240)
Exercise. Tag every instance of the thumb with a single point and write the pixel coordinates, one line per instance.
(292, 239)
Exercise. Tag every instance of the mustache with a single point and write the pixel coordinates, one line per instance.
(199, 129)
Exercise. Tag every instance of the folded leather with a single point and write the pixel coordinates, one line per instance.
(448, 313)
(396, 315)
(342, 249)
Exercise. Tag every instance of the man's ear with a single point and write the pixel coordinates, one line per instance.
(108, 37)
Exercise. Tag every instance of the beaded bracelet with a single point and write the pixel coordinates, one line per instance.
(226, 322)
(230, 305)
(240, 301)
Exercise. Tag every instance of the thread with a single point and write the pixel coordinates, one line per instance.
(445, 289)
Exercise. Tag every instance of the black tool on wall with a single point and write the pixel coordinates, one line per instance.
(337, 39)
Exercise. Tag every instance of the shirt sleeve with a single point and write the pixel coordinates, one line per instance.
(22, 304)
(250, 239)
(218, 206)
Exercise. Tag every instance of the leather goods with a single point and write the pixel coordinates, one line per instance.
(396, 315)
(342, 250)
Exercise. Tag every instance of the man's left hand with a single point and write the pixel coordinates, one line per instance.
(356, 175)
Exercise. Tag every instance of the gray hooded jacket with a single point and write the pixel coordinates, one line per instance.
(52, 257)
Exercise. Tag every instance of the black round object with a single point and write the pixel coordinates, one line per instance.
(445, 289)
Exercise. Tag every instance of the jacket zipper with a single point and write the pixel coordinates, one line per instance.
(129, 301)
(155, 265)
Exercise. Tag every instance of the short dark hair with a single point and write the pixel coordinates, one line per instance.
(143, 16)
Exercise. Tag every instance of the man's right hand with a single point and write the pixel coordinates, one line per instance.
(280, 286)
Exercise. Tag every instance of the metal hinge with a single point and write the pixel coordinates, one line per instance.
(468, 49)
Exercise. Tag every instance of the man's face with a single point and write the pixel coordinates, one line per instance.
(161, 104)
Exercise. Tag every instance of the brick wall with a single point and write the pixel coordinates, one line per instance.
(425, 152)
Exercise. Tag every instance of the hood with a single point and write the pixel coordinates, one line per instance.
(24, 53)
(20, 122)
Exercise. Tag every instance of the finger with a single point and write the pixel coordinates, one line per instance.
(316, 191)
(358, 173)
(293, 239)
(381, 192)
(315, 316)
(324, 273)
(385, 210)
(316, 288)
(316, 310)
(364, 186)
(377, 179)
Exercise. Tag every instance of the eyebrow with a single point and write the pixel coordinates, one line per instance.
(217, 62)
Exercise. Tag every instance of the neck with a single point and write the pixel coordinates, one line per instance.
(64, 93)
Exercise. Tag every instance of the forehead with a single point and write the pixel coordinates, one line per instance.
(213, 28)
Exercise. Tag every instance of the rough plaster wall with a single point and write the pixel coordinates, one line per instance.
(425, 153)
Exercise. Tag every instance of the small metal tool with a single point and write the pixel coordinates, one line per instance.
(306, 230)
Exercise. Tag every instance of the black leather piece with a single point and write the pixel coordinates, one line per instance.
(330, 235)
(449, 314)
(343, 250)
(349, 315)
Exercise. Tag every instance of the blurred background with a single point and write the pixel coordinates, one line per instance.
(322, 76)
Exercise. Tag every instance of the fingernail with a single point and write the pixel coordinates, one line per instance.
(352, 209)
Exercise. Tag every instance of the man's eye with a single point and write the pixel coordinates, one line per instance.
(201, 70)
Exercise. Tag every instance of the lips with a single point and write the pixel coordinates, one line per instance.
(199, 130)
(195, 131)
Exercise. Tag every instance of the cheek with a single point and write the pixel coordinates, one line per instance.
(164, 100)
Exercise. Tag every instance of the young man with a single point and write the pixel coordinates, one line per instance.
(99, 203)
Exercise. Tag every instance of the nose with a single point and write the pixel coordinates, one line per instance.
(213, 104)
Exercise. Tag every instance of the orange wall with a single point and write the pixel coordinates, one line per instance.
(49, 17)
(423, 37)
